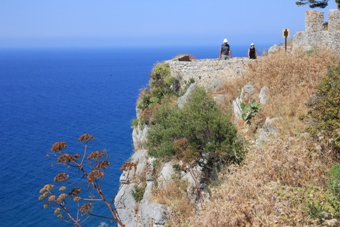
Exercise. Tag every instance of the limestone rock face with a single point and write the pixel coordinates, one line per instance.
(144, 212)
(266, 131)
(274, 49)
(139, 136)
(263, 96)
(184, 98)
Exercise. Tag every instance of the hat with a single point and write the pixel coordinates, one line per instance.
(225, 40)
(252, 44)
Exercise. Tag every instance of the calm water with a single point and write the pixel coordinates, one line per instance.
(52, 95)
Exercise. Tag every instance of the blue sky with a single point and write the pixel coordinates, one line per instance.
(91, 23)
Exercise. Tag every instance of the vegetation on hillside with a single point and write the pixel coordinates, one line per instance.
(161, 84)
(293, 179)
(325, 111)
(200, 132)
(284, 182)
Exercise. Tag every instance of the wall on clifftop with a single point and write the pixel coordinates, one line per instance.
(207, 73)
(315, 34)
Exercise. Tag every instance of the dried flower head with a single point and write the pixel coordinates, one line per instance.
(51, 198)
(61, 197)
(103, 164)
(45, 194)
(58, 146)
(86, 208)
(61, 177)
(57, 211)
(62, 188)
(95, 155)
(47, 187)
(74, 192)
(66, 158)
(46, 204)
(76, 156)
(95, 174)
(85, 138)
(77, 199)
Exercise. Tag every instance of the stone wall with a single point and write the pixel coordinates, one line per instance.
(208, 73)
(315, 35)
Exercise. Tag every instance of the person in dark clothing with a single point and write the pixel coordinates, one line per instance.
(225, 52)
(252, 54)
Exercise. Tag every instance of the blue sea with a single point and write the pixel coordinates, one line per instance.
(50, 95)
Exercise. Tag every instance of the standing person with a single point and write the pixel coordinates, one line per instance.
(252, 54)
(225, 52)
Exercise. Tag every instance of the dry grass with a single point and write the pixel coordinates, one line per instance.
(247, 195)
(173, 194)
(290, 77)
(247, 198)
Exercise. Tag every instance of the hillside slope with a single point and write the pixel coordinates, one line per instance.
(284, 181)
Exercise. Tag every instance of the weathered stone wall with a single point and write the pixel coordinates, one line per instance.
(208, 73)
(315, 35)
(314, 21)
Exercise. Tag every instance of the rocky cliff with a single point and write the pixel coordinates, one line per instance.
(207, 73)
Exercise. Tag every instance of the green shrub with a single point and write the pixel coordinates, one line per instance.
(210, 138)
(316, 201)
(325, 109)
(135, 122)
(161, 84)
(161, 81)
(144, 99)
(138, 192)
(334, 180)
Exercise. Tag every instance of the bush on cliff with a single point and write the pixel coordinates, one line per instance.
(161, 84)
(325, 110)
(200, 131)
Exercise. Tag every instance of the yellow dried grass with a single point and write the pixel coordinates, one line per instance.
(173, 194)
